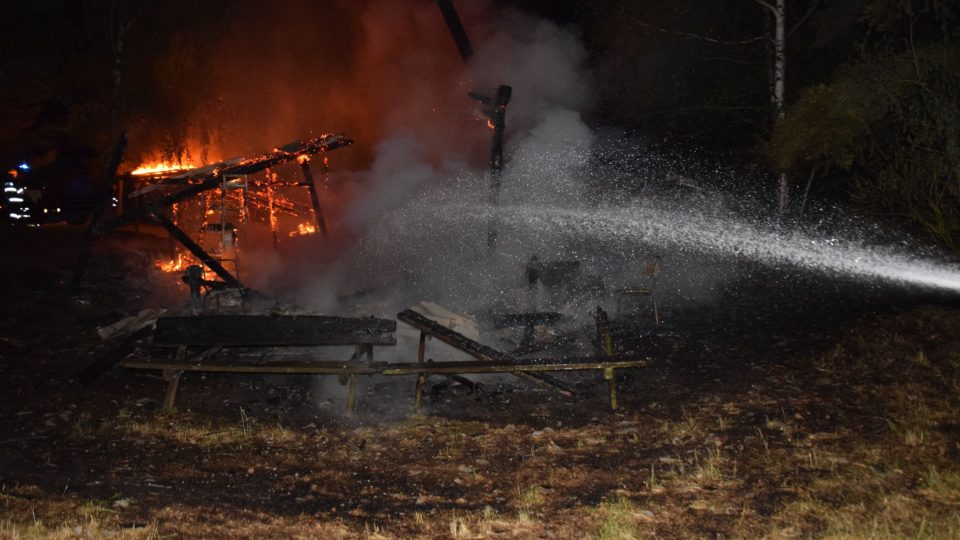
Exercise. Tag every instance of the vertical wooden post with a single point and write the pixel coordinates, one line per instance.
(271, 211)
(610, 375)
(421, 382)
(314, 197)
(421, 377)
(173, 382)
(352, 394)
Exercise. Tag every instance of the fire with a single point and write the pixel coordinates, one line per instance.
(173, 265)
(161, 167)
(304, 229)
(490, 124)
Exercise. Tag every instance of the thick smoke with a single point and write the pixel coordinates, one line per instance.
(406, 241)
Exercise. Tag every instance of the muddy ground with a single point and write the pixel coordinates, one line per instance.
(790, 409)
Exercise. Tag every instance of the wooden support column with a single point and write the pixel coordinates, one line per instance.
(352, 394)
(304, 161)
(421, 377)
(610, 375)
(173, 382)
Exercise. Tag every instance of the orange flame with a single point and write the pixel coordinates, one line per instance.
(161, 167)
(304, 229)
(173, 265)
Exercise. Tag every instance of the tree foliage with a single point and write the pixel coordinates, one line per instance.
(887, 122)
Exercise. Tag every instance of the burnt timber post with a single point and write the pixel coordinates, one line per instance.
(456, 28)
(304, 161)
(495, 109)
(498, 117)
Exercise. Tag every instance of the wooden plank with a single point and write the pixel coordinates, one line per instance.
(384, 368)
(114, 355)
(325, 367)
(454, 339)
(272, 330)
(496, 367)
(478, 350)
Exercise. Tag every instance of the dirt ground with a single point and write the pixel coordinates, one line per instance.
(776, 418)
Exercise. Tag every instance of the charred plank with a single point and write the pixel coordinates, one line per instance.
(479, 351)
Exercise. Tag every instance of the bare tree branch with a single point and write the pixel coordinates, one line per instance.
(698, 37)
(804, 18)
(767, 5)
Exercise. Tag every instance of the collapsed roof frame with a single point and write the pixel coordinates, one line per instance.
(202, 179)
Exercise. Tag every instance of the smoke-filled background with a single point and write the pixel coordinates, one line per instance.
(409, 210)
(408, 204)
(389, 75)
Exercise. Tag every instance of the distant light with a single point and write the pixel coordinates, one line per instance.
(9, 189)
(15, 216)
(46, 211)
(23, 166)
(58, 210)
(15, 199)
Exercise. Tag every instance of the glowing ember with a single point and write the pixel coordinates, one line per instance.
(304, 229)
(173, 265)
(162, 167)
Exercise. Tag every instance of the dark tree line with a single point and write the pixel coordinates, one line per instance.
(871, 105)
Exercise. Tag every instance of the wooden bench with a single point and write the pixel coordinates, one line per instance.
(253, 343)
(490, 360)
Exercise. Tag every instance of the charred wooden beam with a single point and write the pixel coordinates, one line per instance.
(314, 196)
(517, 366)
(328, 367)
(496, 111)
(198, 251)
(478, 350)
(273, 330)
(119, 351)
(456, 28)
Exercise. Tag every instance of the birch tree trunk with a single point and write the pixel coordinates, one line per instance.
(778, 89)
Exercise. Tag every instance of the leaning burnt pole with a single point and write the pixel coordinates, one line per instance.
(494, 108)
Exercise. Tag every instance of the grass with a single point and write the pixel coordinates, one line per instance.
(89, 522)
(618, 520)
(530, 498)
(872, 456)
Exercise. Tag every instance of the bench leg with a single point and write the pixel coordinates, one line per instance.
(418, 390)
(173, 381)
(352, 394)
(421, 377)
(610, 375)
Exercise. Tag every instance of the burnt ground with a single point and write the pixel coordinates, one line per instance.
(793, 408)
